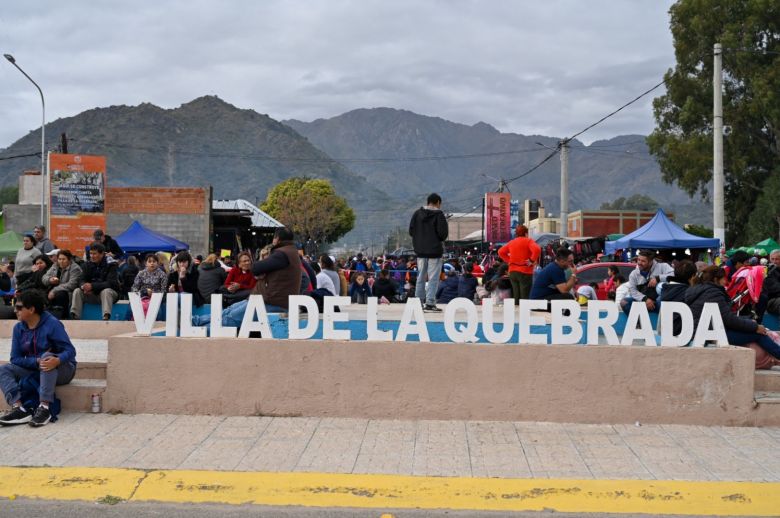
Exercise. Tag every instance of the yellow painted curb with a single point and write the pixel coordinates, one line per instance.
(391, 491)
(68, 483)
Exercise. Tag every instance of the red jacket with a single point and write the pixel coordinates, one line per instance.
(518, 252)
(246, 281)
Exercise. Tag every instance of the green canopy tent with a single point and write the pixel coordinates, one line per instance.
(766, 246)
(10, 243)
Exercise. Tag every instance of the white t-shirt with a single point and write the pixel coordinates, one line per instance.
(324, 281)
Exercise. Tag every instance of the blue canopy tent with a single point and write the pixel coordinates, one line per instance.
(660, 232)
(138, 238)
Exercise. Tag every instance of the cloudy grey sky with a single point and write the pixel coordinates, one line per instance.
(545, 67)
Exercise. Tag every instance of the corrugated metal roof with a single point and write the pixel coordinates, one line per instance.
(259, 218)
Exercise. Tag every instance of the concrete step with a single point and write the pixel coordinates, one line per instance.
(86, 370)
(94, 370)
(767, 397)
(768, 380)
(76, 396)
(767, 408)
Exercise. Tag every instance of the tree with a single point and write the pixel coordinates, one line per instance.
(9, 195)
(635, 202)
(699, 230)
(682, 141)
(311, 209)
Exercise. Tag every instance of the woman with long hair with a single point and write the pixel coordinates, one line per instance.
(739, 330)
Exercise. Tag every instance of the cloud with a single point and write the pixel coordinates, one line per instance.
(535, 68)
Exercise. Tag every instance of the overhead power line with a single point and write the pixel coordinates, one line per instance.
(20, 156)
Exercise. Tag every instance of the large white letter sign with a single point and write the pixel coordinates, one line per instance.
(172, 314)
(710, 314)
(560, 320)
(372, 323)
(508, 328)
(606, 323)
(637, 316)
(413, 312)
(145, 323)
(216, 319)
(296, 332)
(467, 332)
(255, 307)
(666, 322)
(187, 329)
(330, 317)
(525, 320)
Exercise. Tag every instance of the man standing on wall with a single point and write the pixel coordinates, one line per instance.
(429, 230)
(521, 254)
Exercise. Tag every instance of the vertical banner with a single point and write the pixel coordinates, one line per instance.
(497, 217)
(77, 199)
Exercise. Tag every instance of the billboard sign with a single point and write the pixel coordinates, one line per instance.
(498, 227)
(77, 199)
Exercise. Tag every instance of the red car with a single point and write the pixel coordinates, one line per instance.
(598, 273)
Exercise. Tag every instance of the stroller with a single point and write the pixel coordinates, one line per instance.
(745, 289)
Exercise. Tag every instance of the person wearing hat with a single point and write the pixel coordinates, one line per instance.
(112, 247)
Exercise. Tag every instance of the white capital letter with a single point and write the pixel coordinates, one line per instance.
(560, 320)
(605, 323)
(508, 328)
(468, 332)
(372, 322)
(525, 321)
(666, 321)
(710, 314)
(255, 306)
(216, 319)
(296, 301)
(145, 323)
(172, 314)
(330, 317)
(187, 329)
(413, 312)
(638, 315)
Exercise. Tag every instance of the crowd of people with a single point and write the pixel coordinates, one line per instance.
(49, 284)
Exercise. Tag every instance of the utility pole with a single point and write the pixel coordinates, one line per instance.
(564, 226)
(719, 227)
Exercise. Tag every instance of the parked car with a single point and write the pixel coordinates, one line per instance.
(598, 273)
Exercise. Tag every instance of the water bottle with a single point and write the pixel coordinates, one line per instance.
(95, 403)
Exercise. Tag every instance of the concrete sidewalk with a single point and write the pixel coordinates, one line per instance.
(419, 448)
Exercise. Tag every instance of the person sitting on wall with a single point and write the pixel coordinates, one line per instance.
(644, 279)
(359, 290)
(100, 283)
(112, 248)
(239, 282)
(735, 262)
(621, 289)
(771, 288)
(448, 288)
(61, 279)
(23, 266)
(467, 284)
(40, 267)
(551, 283)
(40, 347)
(676, 286)
(279, 276)
(184, 277)
(151, 279)
(211, 277)
(385, 287)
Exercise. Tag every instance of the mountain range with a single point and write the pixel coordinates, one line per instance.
(383, 161)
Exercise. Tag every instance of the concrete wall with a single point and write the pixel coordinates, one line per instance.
(80, 329)
(180, 212)
(588, 384)
(22, 218)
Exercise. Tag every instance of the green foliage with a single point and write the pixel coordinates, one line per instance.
(699, 230)
(682, 140)
(635, 202)
(9, 195)
(311, 209)
(764, 220)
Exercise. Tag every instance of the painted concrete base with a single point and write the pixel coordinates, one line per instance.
(86, 329)
(584, 384)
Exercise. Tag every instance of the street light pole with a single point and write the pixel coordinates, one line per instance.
(718, 220)
(11, 60)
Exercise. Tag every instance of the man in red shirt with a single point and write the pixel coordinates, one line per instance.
(521, 254)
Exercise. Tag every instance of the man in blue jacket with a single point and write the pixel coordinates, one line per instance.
(39, 345)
